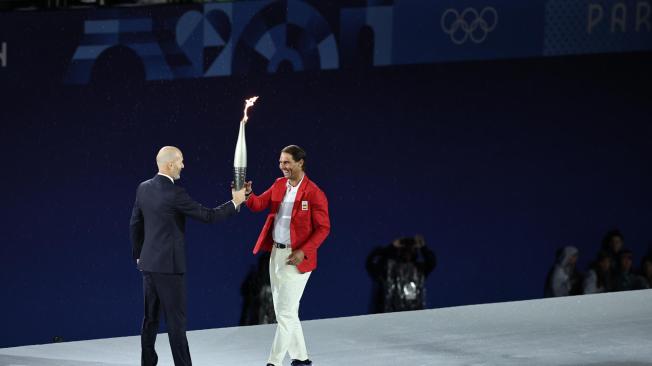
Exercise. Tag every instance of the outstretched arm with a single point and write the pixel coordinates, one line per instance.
(189, 207)
(258, 203)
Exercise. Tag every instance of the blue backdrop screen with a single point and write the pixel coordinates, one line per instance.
(497, 163)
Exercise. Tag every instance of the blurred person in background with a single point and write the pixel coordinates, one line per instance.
(399, 271)
(598, 278)
(626, 279)
(646, 270)
(563, 278)
(612, 243)
(256, 290)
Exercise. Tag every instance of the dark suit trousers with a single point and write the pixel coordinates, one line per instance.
(166, 292)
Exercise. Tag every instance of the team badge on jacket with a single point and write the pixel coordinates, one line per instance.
(304, 205)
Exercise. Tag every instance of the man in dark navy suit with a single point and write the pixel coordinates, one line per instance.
(157, 227)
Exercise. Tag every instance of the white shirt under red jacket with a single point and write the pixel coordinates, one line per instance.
(309, 223)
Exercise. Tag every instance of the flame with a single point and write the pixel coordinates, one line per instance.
(248, 103)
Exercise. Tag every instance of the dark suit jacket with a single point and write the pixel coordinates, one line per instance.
(158, 223)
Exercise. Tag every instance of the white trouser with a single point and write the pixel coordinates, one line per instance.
(287, 287)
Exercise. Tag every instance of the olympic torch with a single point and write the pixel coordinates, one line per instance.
(240, 157)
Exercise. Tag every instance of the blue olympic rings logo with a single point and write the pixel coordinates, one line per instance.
(469, 24)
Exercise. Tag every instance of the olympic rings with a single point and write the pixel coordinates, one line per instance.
(469, 24)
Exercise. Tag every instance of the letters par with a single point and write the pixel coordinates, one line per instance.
(618, 15)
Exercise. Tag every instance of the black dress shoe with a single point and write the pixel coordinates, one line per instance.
(269, 364)
(301, 363)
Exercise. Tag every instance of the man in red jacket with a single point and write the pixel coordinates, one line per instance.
(296, 226)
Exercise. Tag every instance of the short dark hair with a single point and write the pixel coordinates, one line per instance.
(297, 154)
(625, 252)
(606, 239)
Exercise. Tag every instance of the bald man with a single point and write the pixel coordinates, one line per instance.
(157, 227)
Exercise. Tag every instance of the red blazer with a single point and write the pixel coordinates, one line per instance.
(309, 225)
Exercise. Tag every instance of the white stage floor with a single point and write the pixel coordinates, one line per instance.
(598, 330)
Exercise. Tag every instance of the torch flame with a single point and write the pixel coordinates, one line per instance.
(248, 103)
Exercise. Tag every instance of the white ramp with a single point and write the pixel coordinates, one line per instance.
(599, 330)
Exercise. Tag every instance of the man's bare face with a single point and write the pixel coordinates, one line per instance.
(291, 169)
(177, 166)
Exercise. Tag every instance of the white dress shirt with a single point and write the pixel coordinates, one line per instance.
(281, 232)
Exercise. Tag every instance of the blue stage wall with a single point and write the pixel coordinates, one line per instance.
(496, 162)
